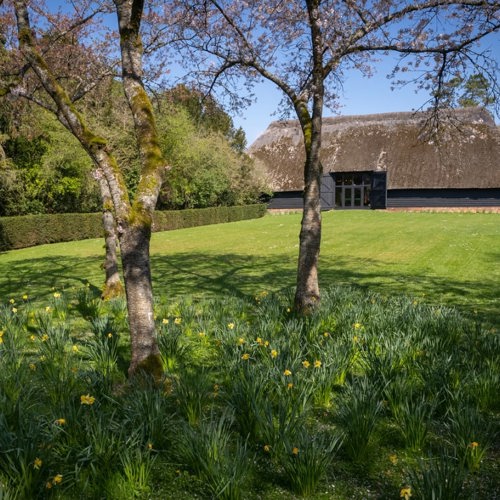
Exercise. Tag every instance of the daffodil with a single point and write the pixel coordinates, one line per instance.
(405, 493)
(289, 386)
(230, 326)
(14, 310)
(317, 364)
(87, 399)
(37, 463)
(306, 364)
(241, 341)
(274, 353)
(295, 451)
(60, 421)
(32, 366)
(57, 479)
(357, 326)
(12, 301)
(164, 321)
(245, 356)
(178, 321)
(57, 295)
(287, 373)
(267, 448)
(25, 297)
(75, 348)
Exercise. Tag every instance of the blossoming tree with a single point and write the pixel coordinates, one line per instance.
(306, 47)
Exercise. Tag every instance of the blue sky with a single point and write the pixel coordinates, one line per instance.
(361, 96)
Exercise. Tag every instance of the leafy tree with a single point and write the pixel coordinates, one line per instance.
(208, 173)
(477, 92)
(48, 172)
(305, 48)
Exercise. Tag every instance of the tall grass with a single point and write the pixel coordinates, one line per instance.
(368, 396)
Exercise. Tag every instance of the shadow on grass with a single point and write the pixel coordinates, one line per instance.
(241, 275)
(233, 274)
(40, 276)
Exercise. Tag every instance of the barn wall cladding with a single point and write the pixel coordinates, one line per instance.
(389, 160)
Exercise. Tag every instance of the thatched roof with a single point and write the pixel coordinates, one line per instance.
(467, 154)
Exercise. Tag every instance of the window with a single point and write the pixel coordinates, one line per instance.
(352, 189)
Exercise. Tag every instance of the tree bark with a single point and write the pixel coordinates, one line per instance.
(112, 283)
(134, 244)
(307, 293)
(136, 235)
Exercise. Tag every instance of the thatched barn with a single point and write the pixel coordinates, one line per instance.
(389, 160)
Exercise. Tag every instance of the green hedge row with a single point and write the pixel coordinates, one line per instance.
(30, 230)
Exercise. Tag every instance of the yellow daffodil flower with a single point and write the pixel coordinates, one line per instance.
(87, 399)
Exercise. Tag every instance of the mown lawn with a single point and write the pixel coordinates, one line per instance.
(443, 257)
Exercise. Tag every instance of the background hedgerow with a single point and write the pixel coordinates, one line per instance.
(368, 396)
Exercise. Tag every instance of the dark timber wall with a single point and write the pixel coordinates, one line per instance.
(406, 198)
(286, 200)
(410, 198)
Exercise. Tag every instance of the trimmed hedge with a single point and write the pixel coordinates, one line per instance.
(30, 230)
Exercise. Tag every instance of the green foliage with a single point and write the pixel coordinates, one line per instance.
(46, 170)
(208, 172)
(31, 230)
(438, 477)
(477, 92)
(219, 460)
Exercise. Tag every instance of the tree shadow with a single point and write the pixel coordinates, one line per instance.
(232, 274)
(244, 276)
(44, 274)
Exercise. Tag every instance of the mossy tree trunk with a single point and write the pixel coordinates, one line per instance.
(307, 293)
(136, 234)
(133, 221)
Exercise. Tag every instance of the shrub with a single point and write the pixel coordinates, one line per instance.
(31, 230)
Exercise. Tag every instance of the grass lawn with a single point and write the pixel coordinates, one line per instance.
(446, 258)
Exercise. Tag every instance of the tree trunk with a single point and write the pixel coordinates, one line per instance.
(134, 245)
(136, 235)
(133, 222)
(307, 291)
(112, 285)
(307, 294)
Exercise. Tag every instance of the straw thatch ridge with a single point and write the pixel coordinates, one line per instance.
(466, 154)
